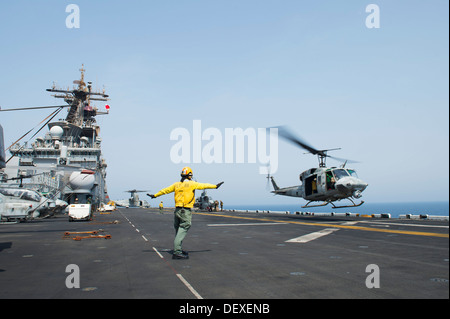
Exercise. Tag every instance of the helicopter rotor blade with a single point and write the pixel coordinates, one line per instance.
(343, 160)
(284, 132)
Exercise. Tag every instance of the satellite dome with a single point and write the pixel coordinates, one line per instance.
(56, 132)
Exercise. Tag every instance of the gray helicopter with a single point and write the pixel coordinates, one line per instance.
(204, 202)
(322, 184)
(133, 201)
(18, 204)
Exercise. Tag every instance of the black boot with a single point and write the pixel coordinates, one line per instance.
(180, 256)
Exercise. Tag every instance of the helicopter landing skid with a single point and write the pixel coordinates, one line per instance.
(334, 206)
(354, 205)
(318, 205)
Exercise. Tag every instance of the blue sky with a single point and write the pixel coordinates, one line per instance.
(379, 94)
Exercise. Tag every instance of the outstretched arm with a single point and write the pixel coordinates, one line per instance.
(163, 191)
(207, 186)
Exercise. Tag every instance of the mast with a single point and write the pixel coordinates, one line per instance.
(81, 113)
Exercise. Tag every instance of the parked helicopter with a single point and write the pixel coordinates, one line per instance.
(204, 202)
(322, 184)
(133, 201)
(21, 204)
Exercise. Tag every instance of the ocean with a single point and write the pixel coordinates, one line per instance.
(395, 209)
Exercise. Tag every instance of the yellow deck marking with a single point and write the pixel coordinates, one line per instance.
(404, 232)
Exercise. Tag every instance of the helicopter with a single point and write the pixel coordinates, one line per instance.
(22, 204)
(17, 202)
(134, 200)
(204, 202)
(322, 184)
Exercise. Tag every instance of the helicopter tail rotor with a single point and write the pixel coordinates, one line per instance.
(268, 176)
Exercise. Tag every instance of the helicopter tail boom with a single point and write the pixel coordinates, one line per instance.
(285, 191)
(274, 184)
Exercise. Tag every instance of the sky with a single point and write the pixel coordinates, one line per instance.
(380, 94)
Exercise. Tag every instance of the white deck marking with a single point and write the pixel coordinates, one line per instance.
(188, 285)
(402, 224)
(159, 254)
(246, 224)
(350, 223)
(312, 236)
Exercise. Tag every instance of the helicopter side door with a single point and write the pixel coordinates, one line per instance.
(315, 185)
(321, 183)
(311, 185)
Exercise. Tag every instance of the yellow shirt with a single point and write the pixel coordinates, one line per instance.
(184, 192)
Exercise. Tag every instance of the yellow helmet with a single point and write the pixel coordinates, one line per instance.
(186, 171)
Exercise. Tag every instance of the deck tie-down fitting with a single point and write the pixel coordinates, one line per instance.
(92, 236)
(89, 234)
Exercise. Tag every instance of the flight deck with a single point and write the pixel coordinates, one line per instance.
(127, 254)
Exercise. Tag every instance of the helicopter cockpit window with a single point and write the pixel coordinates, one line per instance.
(22, 194)
(28, 195)
(352, 173)
(11, 192)
(340, 173)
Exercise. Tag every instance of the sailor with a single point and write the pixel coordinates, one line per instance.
(184, 201)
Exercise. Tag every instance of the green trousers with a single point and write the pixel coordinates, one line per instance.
(182, 223)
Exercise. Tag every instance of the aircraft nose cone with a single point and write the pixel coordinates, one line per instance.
(358, 184)
(352, 184)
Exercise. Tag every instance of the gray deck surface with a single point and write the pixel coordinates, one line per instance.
(232, 256)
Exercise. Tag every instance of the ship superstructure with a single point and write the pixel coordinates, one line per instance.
(67, 162)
